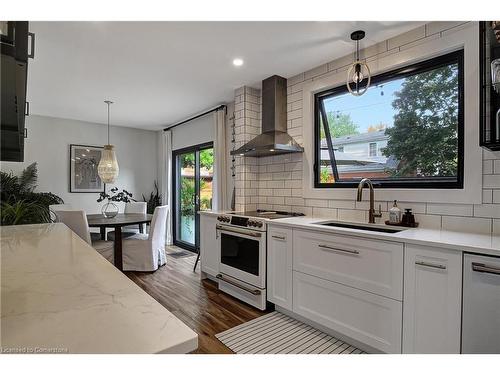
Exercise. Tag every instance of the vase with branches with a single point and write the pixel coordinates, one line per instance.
(110, 209)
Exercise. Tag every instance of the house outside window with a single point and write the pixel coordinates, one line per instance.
(406, 131)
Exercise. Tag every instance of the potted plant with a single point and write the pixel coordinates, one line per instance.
(153, 201)
(110, 209)
(20, 204)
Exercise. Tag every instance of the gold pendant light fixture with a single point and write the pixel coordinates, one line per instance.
(359, 70)
(108, 165)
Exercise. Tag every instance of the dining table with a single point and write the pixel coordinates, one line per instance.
(117, 223)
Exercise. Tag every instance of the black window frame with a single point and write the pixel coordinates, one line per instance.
(457, 182)
(176, 170)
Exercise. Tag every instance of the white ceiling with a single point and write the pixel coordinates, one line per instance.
(162, 72)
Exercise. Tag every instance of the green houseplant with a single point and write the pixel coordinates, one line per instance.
(20, 204)
(154, 200)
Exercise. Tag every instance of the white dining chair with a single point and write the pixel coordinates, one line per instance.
(144, 252)
(76, 220)
(128, 231)
(53, 208)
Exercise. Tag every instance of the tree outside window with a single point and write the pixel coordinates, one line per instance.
(406, 131)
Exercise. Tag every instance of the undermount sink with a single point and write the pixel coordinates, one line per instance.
(370, 227)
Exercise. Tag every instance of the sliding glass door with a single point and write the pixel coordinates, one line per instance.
(192, 187)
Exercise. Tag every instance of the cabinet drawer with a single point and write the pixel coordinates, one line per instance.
(371, 265)
(363, 316)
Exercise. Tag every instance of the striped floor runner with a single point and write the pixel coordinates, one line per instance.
(276, 333)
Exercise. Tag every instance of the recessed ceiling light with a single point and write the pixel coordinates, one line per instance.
(237, 62)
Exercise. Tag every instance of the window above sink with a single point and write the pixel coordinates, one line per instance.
(466, 39)
(406, 131)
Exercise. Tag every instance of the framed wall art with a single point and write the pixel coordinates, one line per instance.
(83, 176)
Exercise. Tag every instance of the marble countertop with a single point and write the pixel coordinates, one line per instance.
(58, 295)
(461, 241)
(473, 242)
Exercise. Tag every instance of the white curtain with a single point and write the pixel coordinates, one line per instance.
(219, 201)
(165, 177)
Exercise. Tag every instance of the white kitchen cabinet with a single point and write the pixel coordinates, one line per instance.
(372, 265)
(366, 317)
(432, 300)
(209, 254)
(279, 266)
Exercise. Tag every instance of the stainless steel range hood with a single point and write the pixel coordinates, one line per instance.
(274, 139)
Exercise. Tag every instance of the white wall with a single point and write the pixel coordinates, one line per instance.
(194, 132)
(48, 144)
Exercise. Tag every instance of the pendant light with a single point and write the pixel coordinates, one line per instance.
(108, 165)
(359, 70)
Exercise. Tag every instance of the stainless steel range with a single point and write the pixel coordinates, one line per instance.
(242, 244)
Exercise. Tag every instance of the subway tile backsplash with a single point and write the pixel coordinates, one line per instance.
(275, 182)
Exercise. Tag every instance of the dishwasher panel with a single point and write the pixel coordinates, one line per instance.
(481, 304)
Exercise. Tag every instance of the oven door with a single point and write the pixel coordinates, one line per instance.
(243, 254)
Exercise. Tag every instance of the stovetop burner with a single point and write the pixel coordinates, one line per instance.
(268, 214)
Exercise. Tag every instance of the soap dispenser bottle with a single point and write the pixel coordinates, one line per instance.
(395, 214)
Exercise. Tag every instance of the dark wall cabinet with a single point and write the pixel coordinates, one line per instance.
(489, 50)
(15, 52)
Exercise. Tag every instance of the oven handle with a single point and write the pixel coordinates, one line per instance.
(255, 292)
(253, 234)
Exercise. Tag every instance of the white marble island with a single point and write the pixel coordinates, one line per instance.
(59, 295)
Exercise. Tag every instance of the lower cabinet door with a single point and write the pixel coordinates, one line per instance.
(363, 316)
(279, 266)
(432, 300)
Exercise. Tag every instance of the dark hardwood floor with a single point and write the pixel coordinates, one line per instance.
(199, 304)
